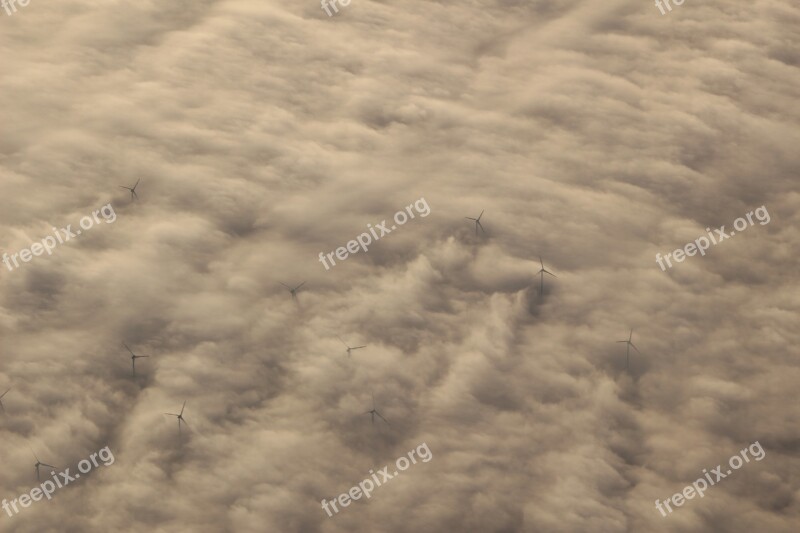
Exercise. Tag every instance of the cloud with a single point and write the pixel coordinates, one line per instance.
(593, 134)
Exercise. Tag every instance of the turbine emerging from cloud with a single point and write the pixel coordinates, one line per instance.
(38, 464)
(180, 418)
(291, 290)
(3, 407)
(477, 223)
(374, 412)
(134, 196)
(628, 350)
(542, 272)
(134, 357)
(349, 349)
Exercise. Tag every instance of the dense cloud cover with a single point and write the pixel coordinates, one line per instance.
(593, 134)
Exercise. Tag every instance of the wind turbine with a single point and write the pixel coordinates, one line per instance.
(349, 349)
(374, 412)
(1, 400)
(180, 418)
(134, 357)
(133, 190)
(477, 223)
(38, 464)
(628, 350)
(543, 271)
(293, 291)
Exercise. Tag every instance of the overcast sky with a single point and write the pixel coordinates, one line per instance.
(595, 134)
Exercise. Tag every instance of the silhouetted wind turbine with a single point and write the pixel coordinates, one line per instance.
(133, 190)
(39, 463)
(180, 418)
(134, 357)
(293, 291)
(3, 407)
(477, 223)
(543, 271)
(374, 412)
(628, 350)
(349, 348)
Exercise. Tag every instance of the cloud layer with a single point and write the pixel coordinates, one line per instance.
(593, 134)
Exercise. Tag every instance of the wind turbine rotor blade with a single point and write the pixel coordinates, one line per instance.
(634, 347)
(357, 347)
(285, 285)
(6, 392)
(300, 285)
(126, 347)
(387, 422)
(49, 466)
(184, 407)
(470, 218)
(137, 183)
